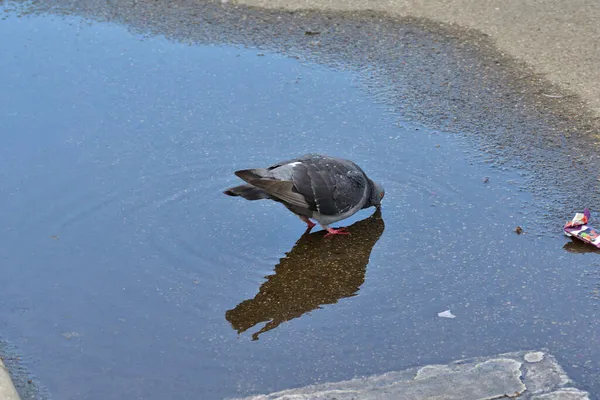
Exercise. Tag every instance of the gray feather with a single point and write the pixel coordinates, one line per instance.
(283, 190)
(335, 186)
(248, 192)
(313, 185)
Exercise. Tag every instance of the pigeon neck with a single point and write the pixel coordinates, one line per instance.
(368, 202)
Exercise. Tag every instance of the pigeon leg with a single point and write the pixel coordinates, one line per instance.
(332, 231)
(308, 222)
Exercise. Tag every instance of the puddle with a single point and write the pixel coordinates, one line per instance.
(117, 149)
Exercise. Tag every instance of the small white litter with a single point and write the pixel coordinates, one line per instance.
(446, 314)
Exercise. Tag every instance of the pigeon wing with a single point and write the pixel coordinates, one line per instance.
(332, 186)
(283, 190)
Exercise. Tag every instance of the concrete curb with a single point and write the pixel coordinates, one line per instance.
(7, 389)
(527, 375)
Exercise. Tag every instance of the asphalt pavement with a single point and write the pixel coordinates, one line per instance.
(559, 39)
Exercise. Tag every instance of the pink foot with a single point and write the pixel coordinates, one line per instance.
(309, 223)
(341, 231)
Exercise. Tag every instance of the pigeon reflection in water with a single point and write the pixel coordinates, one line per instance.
(315, 272)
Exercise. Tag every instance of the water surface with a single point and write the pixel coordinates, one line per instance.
(126, 264)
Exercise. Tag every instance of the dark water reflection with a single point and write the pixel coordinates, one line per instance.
(579, 247)
(317, 271)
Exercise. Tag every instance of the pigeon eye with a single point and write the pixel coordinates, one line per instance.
(381, 195)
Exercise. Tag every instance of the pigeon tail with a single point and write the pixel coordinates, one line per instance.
(250, 175)
(248, 192)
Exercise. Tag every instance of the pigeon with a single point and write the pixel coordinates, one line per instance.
(313, 186)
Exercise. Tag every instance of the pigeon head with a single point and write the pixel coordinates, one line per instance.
(377, 193)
